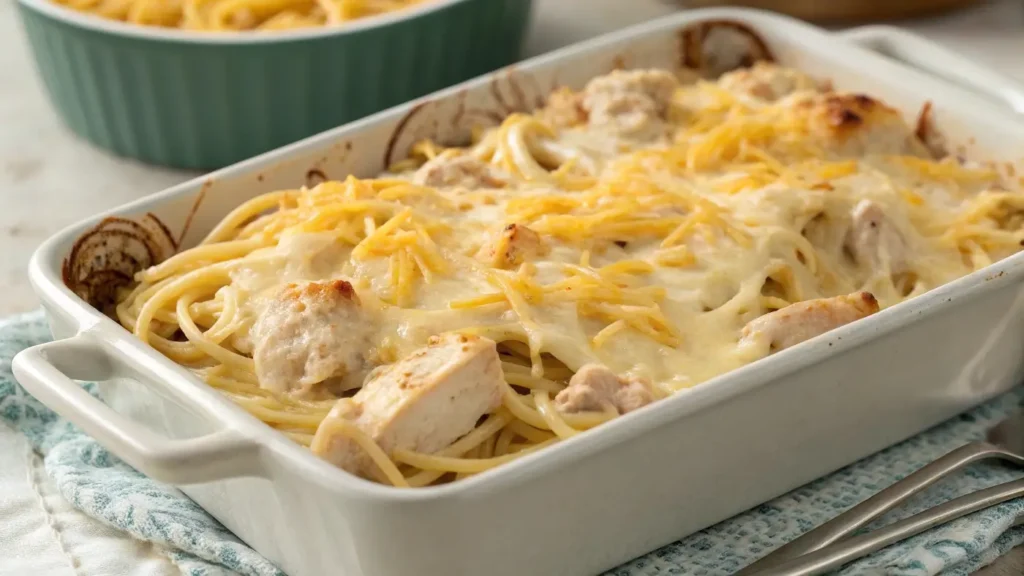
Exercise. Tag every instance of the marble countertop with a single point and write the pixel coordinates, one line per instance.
(50, 179)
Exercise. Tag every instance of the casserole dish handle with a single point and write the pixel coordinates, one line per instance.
(937, 60)
(46, 371)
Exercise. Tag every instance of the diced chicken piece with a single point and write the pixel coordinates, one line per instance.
(595, 388)
(512, 246)
(564, 108)
(422, 403)
(632, 103)
(310, 337)
(855, 125)
(874, 240)
(768, 82)
(802, 321)
(461, 170)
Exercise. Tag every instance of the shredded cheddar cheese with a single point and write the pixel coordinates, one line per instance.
(643, 229)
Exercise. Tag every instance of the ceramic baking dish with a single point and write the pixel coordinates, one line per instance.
(203, 100)
(627, 487)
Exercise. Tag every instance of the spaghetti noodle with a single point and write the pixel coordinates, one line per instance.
(641, 230)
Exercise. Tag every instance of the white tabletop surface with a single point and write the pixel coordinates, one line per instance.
(50, 179)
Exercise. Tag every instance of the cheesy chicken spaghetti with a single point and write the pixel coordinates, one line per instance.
(622, 244)
(237, 15)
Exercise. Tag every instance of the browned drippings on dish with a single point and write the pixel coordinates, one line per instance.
(714, 47)
(107, 257)
(315, 176)
(927, 132)
(400, 128)
(195, 209)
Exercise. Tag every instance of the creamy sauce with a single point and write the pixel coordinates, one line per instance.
(721, 210)
(792, 229)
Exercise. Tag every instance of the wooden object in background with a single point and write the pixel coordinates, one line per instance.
(842, 10)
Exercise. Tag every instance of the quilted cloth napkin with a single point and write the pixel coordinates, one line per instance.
(103, 487)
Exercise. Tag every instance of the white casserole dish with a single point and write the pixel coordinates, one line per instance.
(616, 492)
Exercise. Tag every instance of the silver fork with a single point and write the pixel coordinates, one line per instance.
(827, 547)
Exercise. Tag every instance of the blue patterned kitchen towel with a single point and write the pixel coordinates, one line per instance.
(103, 487)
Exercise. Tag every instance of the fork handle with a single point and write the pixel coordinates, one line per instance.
(835, 556)
(880, 503)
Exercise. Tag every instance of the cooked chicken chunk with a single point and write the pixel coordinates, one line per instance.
(311, 336)
(854, 125)
(632, 103)
(512, 246)
(461, 170)
(805, 320)
(423, 402)
(564, 108)
(874, 240)
(767, 81)
(595, 388)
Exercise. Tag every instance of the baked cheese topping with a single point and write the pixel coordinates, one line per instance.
(624, 243)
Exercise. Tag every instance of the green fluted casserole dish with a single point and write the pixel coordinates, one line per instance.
(205, 100)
